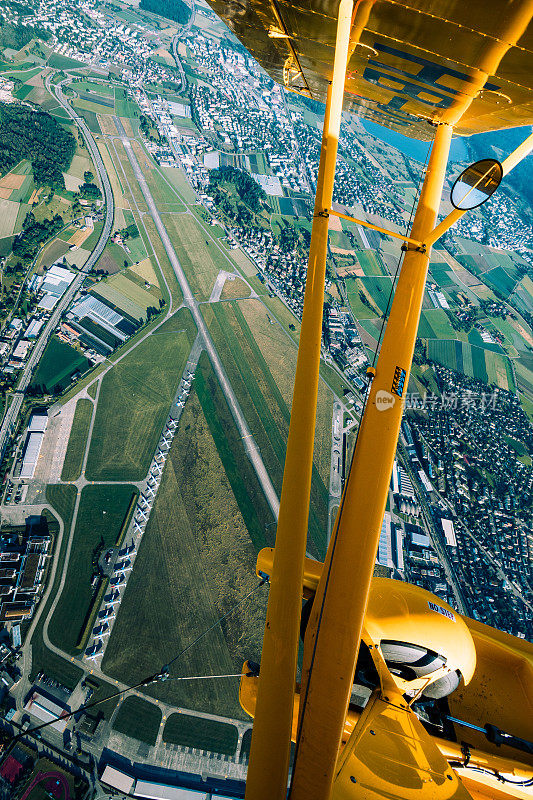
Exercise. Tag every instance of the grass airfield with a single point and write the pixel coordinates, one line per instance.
(195, 560)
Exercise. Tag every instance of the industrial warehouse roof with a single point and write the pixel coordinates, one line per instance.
(31, 454)
(161, 791)
(38, 421)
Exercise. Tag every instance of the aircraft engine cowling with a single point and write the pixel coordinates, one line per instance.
(423, 641)
(426, 646)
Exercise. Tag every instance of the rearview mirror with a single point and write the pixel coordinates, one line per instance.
(476, 184)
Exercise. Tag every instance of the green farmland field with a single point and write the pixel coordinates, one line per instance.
(512, 336)
(181, 184)
(93, 86)
(438, 321)
(202, 734)
(476, 362)
(138, 718)
(123, 106)
(163, 191)
(134, 400)
(499, 280)
(77, 440)
(375, 290)
(89, 116)
(240, 473)
(58, 364)
(359, 308)
(101, 513)
(201, 261)
(371, 263)
(57, 61)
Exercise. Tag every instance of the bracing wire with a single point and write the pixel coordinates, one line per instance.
(215, 624)
(303, 703)
(160, 676)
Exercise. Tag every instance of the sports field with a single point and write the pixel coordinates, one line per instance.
(59, 362)
(138, 718)
(202, 734)
(194, 564)
(77, 440)
(134, 401)
(101, 514)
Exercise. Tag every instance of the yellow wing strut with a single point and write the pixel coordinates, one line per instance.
(331, 657)
(270, 748)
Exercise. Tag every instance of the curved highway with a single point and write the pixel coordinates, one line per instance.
(11, 416)
(175, 41)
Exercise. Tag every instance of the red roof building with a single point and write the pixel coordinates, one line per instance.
(11, 769)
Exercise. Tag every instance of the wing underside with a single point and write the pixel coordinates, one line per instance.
(413, 64)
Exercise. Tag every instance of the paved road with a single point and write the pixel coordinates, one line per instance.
(11, 416)
(185, 29)
(488, 555)
(436, 536)
(189, 300)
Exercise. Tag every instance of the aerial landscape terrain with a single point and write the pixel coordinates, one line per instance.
(156, 191)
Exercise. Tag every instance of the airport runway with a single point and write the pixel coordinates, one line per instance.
(189, 300)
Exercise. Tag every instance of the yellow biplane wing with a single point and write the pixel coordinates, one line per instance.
(415, 61)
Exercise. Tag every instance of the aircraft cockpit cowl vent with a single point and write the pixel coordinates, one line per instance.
(420, 640)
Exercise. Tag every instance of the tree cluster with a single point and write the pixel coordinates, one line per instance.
(248, 190)
(288, 239)
(90, 191)
(176, 10)
(33, 234)
(131, 232)
(17, 36)
(35, 135)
